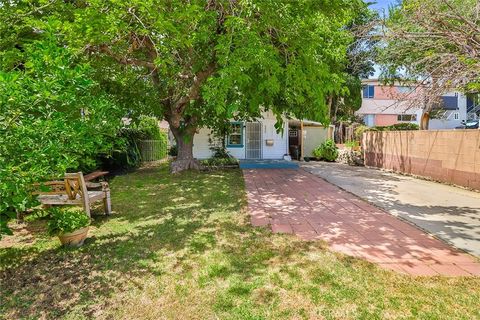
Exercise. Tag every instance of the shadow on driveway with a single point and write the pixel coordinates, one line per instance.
(450, 213)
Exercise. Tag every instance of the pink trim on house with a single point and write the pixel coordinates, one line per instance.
(386, 119)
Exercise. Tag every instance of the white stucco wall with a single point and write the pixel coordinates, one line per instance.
(280, 140)
(201, 145)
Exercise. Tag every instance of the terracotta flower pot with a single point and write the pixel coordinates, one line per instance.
(75, 238)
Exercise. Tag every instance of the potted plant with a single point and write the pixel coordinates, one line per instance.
(71, 226)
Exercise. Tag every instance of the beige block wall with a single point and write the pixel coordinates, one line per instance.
(451, 156)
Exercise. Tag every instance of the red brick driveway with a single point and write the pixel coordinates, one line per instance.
(295, 201)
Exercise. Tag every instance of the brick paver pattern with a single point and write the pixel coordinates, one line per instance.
(297, 202)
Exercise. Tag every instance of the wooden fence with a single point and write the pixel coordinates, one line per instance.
(345, 131)
(152, 150)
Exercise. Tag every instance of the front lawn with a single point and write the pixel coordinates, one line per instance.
(180, 247)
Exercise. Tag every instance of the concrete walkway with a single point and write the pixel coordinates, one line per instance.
(295, 201)
(450, 213)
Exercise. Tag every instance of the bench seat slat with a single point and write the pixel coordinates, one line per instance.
(63, 198)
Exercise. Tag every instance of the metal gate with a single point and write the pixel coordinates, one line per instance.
(152, 150)
(254, 140)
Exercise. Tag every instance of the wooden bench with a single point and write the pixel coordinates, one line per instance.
(73, 190)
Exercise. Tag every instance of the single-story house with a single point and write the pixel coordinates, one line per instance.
(260, 139)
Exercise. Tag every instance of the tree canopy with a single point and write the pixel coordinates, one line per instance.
(204, 62)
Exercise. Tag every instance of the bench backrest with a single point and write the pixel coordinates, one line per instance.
(75, 185)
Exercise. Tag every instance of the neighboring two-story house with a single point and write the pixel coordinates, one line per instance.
(384, 105)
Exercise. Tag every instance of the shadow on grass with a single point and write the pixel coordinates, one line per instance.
(160, 220)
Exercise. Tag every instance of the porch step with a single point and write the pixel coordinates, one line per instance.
(267, 164)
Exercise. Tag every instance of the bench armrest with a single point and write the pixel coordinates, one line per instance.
(97, 185)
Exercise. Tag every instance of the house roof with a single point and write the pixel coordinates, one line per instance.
(373, 106)
(305, 122)
(396, 82)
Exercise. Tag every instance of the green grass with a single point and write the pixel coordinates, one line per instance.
(180, 247)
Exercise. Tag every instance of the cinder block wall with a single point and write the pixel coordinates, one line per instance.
(451, 156)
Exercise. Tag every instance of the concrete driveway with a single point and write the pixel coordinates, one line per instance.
(449, 213)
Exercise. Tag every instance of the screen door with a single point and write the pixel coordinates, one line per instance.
(254, 140)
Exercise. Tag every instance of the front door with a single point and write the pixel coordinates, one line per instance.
(254, 140)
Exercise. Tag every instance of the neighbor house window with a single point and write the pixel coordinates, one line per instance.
(407, 117)
(368, 92)
(456, 116)
(235, 137)
(405, 89)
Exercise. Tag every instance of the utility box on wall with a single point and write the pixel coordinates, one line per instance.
(269, 142)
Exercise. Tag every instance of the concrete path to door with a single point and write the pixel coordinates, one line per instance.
(298, 202)
(449, 213)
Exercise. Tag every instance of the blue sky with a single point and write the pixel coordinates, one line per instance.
(382, 7)
(382, 4)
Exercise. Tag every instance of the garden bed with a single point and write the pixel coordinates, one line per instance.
(220, 163)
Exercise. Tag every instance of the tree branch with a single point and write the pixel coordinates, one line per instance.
(103, 48)
(194, 91)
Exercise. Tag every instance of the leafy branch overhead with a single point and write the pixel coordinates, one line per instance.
(436, 41)
(215, 60)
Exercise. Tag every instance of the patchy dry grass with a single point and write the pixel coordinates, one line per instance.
(180, 247)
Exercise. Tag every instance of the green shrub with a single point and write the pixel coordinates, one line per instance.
(64, 220)
(148, 127)
(359, 132)
(327, 151)
(396, 127)
(219, 152)
(352, 144)
(54, 118)
(125, 154)
(405, 126)
(149, 130)
(219, 162)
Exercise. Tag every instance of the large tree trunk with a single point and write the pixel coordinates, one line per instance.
(185, 159)
(424, 122)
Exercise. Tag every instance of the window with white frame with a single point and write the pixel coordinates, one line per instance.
(407, 117)
(368, 92)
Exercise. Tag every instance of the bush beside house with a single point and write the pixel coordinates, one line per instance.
(327, 151)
